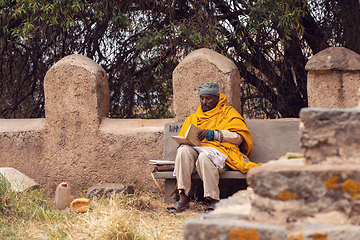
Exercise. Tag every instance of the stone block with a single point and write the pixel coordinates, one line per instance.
(331, 135)
(285, 193)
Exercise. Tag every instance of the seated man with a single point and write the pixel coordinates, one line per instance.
(225, 140)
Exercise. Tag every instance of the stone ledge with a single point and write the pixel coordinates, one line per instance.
(306, 182)
(284, 192)
(228, 228)
(22, 125)
(131, 126)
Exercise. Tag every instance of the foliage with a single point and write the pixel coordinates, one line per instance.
(27, 206)
(36, 34)
(139, 43)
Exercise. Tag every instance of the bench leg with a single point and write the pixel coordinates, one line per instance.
(169, 188)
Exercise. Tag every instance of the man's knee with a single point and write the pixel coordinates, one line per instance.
(203, 159)
(184, 150)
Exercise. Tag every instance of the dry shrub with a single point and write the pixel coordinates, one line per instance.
(31, 215)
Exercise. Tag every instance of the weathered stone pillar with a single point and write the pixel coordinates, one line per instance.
(76, 100)
(333, 78)
(200, 66)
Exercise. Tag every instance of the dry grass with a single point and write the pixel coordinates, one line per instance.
(141, 216)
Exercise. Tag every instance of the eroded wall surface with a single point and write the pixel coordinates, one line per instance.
(76, 142)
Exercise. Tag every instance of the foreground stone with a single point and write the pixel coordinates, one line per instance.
(18, 181)
(330, 135)
(317, 197)
(284, 193)
(196, 229)
(109, 190)
(212, 229)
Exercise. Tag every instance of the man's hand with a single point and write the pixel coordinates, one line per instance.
(202, 135)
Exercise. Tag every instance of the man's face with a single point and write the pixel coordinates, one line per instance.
(208, 102)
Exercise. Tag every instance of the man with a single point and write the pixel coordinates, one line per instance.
(225, 141)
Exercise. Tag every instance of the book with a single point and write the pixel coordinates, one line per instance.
(162, 165)
(190, 136)
(161, 162)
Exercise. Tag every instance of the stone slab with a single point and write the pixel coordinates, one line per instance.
(310, 231)
(19, 181)
(273, 138)
(308, 182)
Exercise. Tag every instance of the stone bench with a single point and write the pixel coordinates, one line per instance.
(271, 139)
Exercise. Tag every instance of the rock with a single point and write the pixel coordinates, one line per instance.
(197, 229)
(108, 190)
(18, 181)
(296, 192)
(330, 135)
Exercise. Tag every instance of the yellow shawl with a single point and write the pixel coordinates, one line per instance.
(224, 118)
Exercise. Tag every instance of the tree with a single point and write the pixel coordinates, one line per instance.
(139, 43)
(36, 34)
(270, 41)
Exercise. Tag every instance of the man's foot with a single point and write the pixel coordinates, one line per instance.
(212, 205)
(210, 208)
(177, 207)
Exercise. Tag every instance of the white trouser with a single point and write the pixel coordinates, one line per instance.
(188, 161)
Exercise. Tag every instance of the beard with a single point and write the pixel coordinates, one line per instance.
(206, 108)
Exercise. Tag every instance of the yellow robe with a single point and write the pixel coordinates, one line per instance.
(224, 118)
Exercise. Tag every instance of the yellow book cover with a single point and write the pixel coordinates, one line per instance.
(190, 136)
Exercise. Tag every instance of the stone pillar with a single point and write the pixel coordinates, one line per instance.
(333, 78)
(76, 90)
(200, 66)
(76, 100)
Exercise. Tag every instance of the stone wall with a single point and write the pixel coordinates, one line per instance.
(76, 142)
